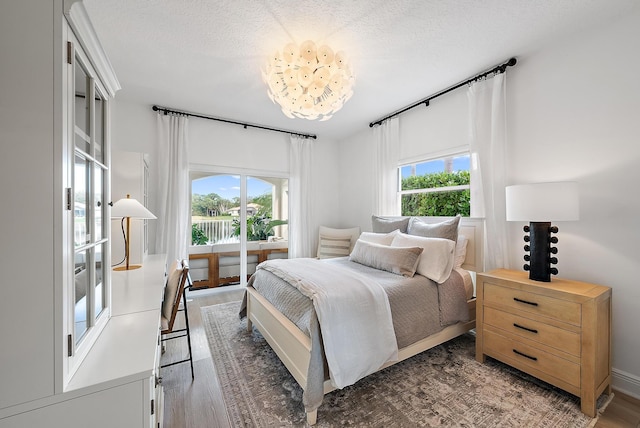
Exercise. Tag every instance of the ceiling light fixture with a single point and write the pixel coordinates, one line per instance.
(308, 82)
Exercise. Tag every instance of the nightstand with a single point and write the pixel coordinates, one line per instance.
(558, 331)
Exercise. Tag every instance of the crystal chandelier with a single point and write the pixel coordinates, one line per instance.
(308, 82)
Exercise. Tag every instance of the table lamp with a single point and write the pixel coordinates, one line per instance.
(128, 208)
(540, 204)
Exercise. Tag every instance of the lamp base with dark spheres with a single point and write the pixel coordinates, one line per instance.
(539, 247)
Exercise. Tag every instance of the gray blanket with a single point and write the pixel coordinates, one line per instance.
(419, 308)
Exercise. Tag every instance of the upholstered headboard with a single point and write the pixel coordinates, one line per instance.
(473, 229)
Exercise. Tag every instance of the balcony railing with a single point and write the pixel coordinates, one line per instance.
(217, 231)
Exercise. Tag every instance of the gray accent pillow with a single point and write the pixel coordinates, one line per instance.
(386, 225)
(447, 229)
(398, 260)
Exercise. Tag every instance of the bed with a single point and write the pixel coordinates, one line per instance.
(296, 339)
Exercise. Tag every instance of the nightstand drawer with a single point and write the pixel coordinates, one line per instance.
(557, 331)
(523, 301)
(558, 338)
(549, 367)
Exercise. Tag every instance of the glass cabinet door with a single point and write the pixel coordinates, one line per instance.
(81, 136)
(90, 174)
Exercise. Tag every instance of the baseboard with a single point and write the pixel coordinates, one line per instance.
(626, 383)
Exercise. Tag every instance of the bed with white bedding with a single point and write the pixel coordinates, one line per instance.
(379, 318)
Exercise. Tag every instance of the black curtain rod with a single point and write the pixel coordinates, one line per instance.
(495, 70)
(245, 125)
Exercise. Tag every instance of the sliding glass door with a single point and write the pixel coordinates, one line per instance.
(238, 221)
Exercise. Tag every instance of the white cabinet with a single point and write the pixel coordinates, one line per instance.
(28, 175)
(49, 119)
(116, 384)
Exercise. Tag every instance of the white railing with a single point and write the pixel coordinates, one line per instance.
(216, 230)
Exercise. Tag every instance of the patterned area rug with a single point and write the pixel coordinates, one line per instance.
(444, 386)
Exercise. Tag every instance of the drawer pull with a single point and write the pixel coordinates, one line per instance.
(532, 330)
(525, 355)
(525, 301)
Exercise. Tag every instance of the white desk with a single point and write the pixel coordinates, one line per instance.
(140, 289)
(115, 386)
(127, 348)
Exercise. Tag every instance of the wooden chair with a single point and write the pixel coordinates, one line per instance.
(174, 292)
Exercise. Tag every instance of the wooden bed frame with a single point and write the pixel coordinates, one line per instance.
(293, 347)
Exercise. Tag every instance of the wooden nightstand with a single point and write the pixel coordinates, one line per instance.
(558, 331)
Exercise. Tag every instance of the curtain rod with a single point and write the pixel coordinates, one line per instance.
(495, 70)
(166, 110)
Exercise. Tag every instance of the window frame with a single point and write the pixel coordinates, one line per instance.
(453, 153)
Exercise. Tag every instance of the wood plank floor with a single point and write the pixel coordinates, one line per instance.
(199, 403)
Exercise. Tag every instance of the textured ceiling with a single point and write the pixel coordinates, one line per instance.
(206, 56)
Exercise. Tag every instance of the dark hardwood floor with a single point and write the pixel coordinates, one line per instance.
(199, 403)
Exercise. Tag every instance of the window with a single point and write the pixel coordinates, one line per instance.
(436, 187)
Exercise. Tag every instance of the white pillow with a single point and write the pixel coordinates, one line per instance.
(378, 238)
(461, 251)
(329, 232)
(436, 260)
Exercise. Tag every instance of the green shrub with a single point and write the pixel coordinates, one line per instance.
(437, 203)
(198, 237)
(259, 227)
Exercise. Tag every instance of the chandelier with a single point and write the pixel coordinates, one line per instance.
(308, 82)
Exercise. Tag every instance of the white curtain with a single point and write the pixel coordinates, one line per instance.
(385, 168)
(487, 143)
(301, 230)
(173, 234)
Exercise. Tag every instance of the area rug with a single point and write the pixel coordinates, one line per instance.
(444, 386)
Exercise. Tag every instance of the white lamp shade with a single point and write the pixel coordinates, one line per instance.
(129, 207)
(543, 202)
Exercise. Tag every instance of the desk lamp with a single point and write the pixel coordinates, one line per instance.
(128, 208)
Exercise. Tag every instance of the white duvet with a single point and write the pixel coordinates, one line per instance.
(353, 312)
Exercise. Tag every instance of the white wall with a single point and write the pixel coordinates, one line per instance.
(424, 132)
(215, 144)
(573, 114)
(133, 130)
(434, 129)
(355, 164)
